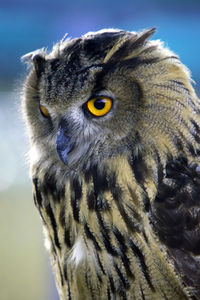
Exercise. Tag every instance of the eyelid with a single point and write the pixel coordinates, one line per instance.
(44, 111)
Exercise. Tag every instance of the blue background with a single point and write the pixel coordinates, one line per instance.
(27, 25)
(31, 24)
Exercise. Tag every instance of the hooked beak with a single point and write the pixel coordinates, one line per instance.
(63, 144)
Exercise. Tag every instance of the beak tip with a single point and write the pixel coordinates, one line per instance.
(62, 155)
(62, 146)
(63, 142)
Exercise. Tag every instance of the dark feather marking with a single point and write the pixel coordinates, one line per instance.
(100, 279)
(147, 203)
(120, 238)
(99, 276)
(89, 285)
(142, 294)
(139, 169)
(133, 63)
(88, 174)
(169, 57)
(105, 236)
(118, 197)
(181, 84)
(53, 248)
(112, 285)
(60, 271)
(99, 179)
(95, 199)
(123, 249)
(69, 290)
(102, 204)
(107, 243)
(99, 81)
(50, 187)
(191, 149)
(76, 194)
(49, 212)
(178, 143)
(192, 104)
(72, 53)
(169, 98)
(124, 280)
(55, 256)
(196, 126)
(48, 83)
(140, 172)
(38, 196)
(108, 294)
(91, 200)
(100, 264)
(91, 237)
(65, 272)
(168, 87)
(97, 203)
(62, 216)
(67, 237)
(160, 166)
(98, 47)
(80, 78)
(140, 256)
(77, 187)
(145, 237)
(196, 135)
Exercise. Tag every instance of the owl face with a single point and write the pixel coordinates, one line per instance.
(101, 95)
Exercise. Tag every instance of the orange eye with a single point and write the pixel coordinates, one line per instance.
(44, 111)
(99, 106)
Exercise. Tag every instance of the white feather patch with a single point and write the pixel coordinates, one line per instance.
(46, 239)
(79, 252)
(34, 155)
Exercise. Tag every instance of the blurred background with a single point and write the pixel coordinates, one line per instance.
(26, 25)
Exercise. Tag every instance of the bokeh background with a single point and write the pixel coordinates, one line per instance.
(26, 25)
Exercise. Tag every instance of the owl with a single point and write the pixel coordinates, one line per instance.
(114, 127)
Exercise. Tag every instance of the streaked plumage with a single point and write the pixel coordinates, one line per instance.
(119, 194)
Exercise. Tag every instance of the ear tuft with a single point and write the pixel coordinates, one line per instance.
(130, 44)
(39, 64)
(37, 59)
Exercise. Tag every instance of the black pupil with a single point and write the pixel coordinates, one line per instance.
(99, 104)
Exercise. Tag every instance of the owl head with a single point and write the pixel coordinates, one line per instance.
(108, 93)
